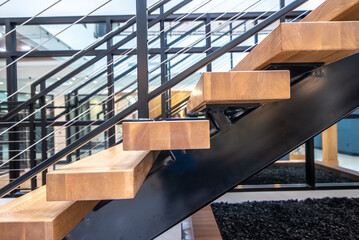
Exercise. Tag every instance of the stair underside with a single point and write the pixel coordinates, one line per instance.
(31, 217)
(239, 88)
(166, 135)
(335, 10)
(304, 42)
(109, 174)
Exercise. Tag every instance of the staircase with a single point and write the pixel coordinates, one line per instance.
(211, 155)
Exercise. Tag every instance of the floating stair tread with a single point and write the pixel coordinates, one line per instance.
(335, 10)
(31, 217)
(166, 135)
(239, 87)
(204, 225)
(109, 174)
(304, 42)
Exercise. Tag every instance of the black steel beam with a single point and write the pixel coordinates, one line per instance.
(309, 163)
(70, 53)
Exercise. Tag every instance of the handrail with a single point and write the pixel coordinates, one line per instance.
(158, 91)
(80, 54)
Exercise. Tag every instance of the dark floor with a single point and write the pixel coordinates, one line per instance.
(328, 218)
(291, 175)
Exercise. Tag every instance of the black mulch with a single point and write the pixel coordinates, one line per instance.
(328, 218)
(291, 175)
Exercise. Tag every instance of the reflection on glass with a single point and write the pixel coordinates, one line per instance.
(76, 37)
(336, 149)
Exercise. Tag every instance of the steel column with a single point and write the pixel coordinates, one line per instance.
(142, 58)
(208, 39)
(110, 87)
(163, 47)
(11, 84)
(309, 163)
(43, 131)
(282, 5)
(32, 139)
(77, 128)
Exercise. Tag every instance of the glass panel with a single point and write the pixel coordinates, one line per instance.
(30, 69)
(337, 154)
(3, 93)
(76, 37)
(2, 39)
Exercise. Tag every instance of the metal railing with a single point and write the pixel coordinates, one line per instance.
(143, 99)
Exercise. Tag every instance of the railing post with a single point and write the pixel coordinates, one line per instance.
(32, 139)
(163, 46)
(110, 87)
(77, 128)
(208, 39)
(68, 128)
(142, 58)
(11, 80)
(230, 39)
(43, 130)
(282, 5)
(309, 163)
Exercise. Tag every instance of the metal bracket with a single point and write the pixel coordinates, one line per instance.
(296, 69)
(164, 159)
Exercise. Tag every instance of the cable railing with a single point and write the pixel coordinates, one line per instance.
(55, 35)
(65, 125)
(127, 107)
(83, 52)
(71, 75)
(173, 96)
(98, 93)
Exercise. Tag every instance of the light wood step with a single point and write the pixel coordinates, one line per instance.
(335, 10)
(166, 135)
(31, 217)
(304, 42)
(109, 174)
(205, 225)
(239, 87)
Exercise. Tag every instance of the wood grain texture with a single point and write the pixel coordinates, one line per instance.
(166, 135)
(330, 145)
(205, 225)
(335, 10)
(109, 174)
(31, 217)
(296, 156)
(304, 42)
(239, 87)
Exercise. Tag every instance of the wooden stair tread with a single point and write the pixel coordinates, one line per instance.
(166, 135)
(32, 217)
(335, 10)
(109, 174)
(304, 42)
(205, 225)
(239, 87)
